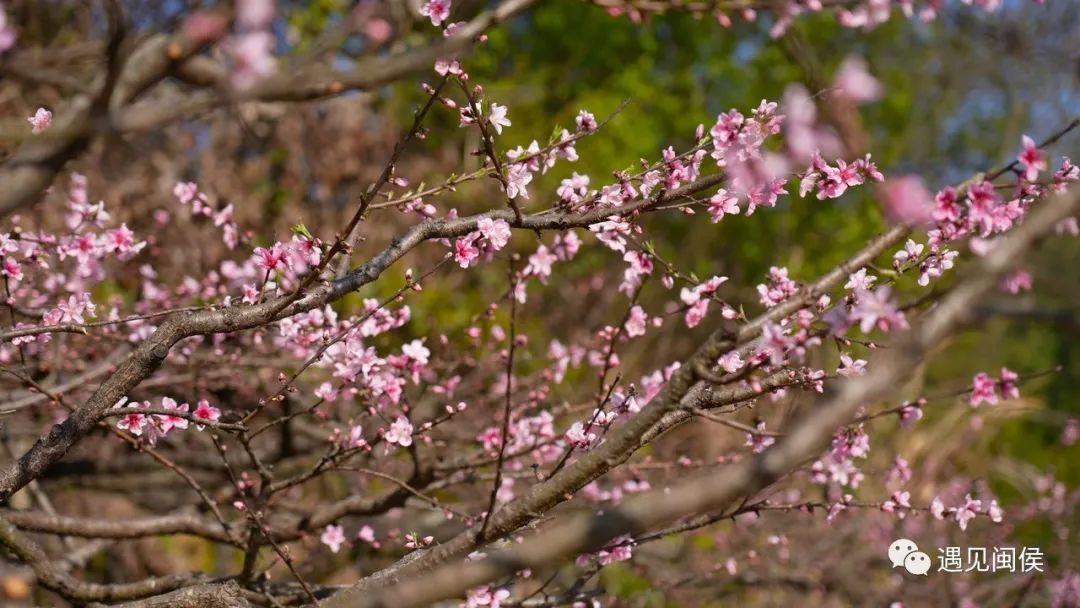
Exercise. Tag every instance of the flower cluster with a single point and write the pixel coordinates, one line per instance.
(833, 182)
(57, 271)
(985, 389)
(155, 426)
(188, 193)
(966, 511)
(618, 550)
(490, 236)
(838, 466)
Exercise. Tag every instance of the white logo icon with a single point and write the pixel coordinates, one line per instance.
(904, 552)
(917, 562)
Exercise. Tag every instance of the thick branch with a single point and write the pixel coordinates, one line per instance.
(32, 555)
(89, 527)
(311, 82)
(227, 595)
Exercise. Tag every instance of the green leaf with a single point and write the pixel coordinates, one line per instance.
(302, 230)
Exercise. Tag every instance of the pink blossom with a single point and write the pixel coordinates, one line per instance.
(935, 265)
(121, 241)
(898, 503)
(910, 253)
(333, 537)
(690, 296)
(984, 390)
(367, 534)
(400, 432)
(851, 367)
(619, 551)
(8, 244)
(576, 436)
(710, 286)
(875, 309)
(1009, 389)
(1065, 591)
(758, 441)
(900, 473)
(12, 269)
(1016, 282)
(721, 204)
(497, 116)
(132, 423)
(586, 122)
(204, 26)
(775, 342)
(907, 200)
(517, 178)
(506, 490)
(356, 437)
(188, 192)
(414, 541)
(860, 280)
(497, 232)
(573, 189)
(1067, 226)
(731, 362)
(40, 121)
(1032, 159)
(486, 597)
(465, 250)
(838, 507)
(205, 411)
(71, 311)
(8, 36)
(252, 54)
(805, 138)
(967, 511)
(855, 82)
(168, 423)
(612, 232)
(437, 10)
(540, 263)
(778, 289)
(625, 403)
(304, 250)
(1066, 174)
(272, 259)
(448, 66)
(867, 167)
(910, 413)
(636, 323)
(565, 149)
(453, 28)
(1071, 433)
(416, 351)
(696, 313)
(640, 265)
(254, 14)
(937, 508)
